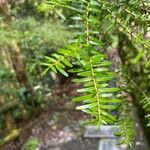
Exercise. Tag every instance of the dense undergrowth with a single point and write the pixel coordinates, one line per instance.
(25, 39)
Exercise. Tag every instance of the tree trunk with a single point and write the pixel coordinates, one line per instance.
(7, 62)
(19, 66)
(5, 11)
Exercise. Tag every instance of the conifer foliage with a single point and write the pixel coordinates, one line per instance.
(86, 56)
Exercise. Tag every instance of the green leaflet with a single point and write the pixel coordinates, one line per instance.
(105, 90)
(90, 122)
(97, 58)
(88, 84)
(102, 69)
(110, 27)
(104, 85)
(64, 51)
(93, 19)
(85, 73)
(107, 120)
(96, 41)
(92, 113)
(108, 115)
(86, 106)
(81, 98)
(147, 64)
(82, 62)
(53, 68)
(80, 80)
(139, 56)
(61, 15)
(101, 74)
(105, 63)
(57, 56)
(67, 63)
(91, 100)
(61, 70)
(49, 59)
(75, 26)
(90, 90)
(45, 64)
(109, 107)
(104, 79)
(60, 65)
(77, 18)
(75, 70)
(106, 95)
(111, 101)
(45, 71)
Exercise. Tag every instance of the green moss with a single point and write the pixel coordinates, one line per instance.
(31, 144)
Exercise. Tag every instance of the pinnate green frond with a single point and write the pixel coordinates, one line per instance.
(93, 20)
(56, 63)
(146, 106)
(126, 125)
(95, 83)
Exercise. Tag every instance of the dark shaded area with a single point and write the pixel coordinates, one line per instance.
(138, 75)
